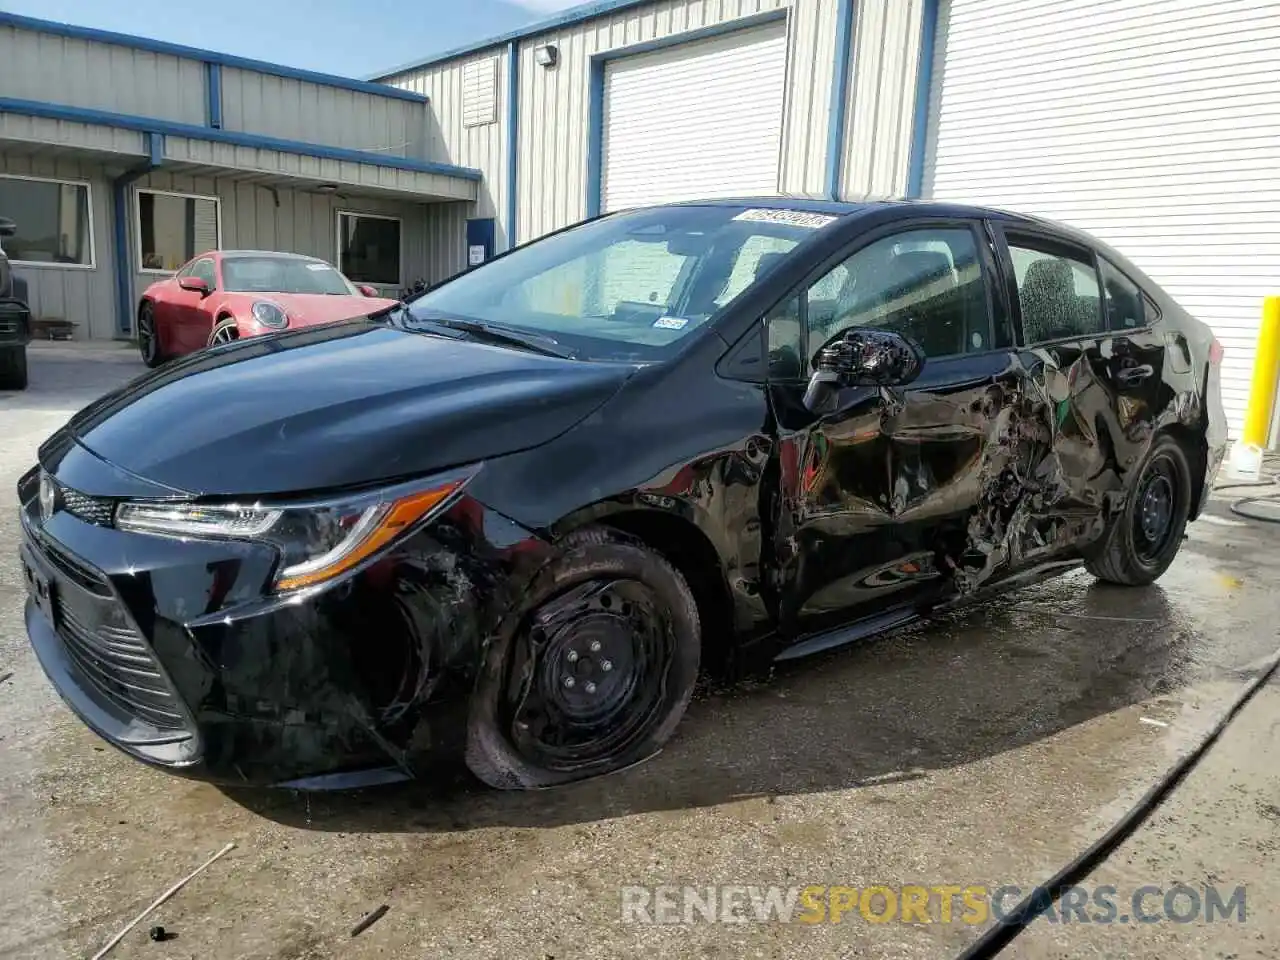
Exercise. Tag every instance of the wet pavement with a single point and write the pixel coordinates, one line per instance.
(985, 748)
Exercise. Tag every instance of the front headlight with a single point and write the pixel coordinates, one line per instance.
(317, 540)
(270, 314)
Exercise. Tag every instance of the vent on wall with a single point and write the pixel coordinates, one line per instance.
(480, 92)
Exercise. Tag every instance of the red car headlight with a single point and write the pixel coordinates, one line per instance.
(270, 314)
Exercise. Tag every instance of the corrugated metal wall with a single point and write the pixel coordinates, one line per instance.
(881, 107)
(1155, 126)
(451, 140)
(40, 66)
(255, 218)
(295, 110)
(81, 294)
(554, 126)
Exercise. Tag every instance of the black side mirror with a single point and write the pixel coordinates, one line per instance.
(861, 358)
(7, 227)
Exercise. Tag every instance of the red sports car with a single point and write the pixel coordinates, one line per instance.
(228, 294)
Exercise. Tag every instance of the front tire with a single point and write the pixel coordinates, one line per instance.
(224, 331)
(149, 336)
(1144, 536)
(13, 368)
(594, 672)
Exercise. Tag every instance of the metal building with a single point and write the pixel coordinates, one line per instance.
(1148, 123)
(120, 158)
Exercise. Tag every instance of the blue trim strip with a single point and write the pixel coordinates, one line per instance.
(513, 139)
(924, 91)
(575, 15)
(209, 56)
(842, 68)
(595, 137)
(57, 111)
(213, 82)
(120, 229)
(595, 96)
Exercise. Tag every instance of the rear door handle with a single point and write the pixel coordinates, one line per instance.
(1131, 375)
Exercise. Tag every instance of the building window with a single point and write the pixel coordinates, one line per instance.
(369, 248)
(174, 227)
(55, 225)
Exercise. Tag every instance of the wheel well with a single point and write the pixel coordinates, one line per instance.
(1197, 451)
(687, 549)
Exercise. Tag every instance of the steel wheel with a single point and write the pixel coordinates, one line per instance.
(590, 683)
(224, 332)
(592, 670)
(1153, 515)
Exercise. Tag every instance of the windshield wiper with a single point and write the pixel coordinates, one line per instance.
(495, 333)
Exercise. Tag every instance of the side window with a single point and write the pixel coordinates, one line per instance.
(186, 269)
(784, 341)
(925, 284)
(1122, 297)
(1057, 289)
(204, 270)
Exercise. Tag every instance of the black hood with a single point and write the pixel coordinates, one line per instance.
(333, 406)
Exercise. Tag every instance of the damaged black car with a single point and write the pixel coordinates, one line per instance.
(513, 519)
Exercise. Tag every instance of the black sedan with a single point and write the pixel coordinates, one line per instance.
(512, 519)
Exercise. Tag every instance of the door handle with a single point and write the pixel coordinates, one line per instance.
(1131, 375)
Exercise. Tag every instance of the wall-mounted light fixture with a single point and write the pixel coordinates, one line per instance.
(327, 188)
(546, 55)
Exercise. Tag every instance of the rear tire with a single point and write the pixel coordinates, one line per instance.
(149, 336)
(593, 672)
(1144, 536)
(13, 368)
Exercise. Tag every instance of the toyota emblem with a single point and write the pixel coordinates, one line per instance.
(48, 496)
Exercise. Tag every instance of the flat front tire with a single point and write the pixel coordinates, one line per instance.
(592, 673)
(1143, 538)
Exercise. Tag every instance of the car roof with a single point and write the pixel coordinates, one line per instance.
(231, 254)
(844, 208)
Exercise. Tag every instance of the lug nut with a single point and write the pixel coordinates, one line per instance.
(590, 687)
(572, 656)
(595, 646)
(569, 681)
(606, 665)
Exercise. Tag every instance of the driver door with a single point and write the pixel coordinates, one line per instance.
(876, 499)
(190, 318)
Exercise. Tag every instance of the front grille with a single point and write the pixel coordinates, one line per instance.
(97, 510)
(9, 324)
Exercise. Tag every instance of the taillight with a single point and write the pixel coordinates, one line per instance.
(1215, 353)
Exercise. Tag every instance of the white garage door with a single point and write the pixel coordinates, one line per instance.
(1154, 124)
(701, 119)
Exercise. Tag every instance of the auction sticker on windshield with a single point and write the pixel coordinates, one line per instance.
(671, 323)
(794, 218)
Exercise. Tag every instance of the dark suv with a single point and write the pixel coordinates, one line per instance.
(15, 320)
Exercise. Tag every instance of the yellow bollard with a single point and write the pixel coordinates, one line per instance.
(1266, 373)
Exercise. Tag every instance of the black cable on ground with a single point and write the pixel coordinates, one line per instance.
(1271, 501)
(1008, 927)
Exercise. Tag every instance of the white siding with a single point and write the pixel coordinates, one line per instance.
(1154, 125)
(881, 105)
(723, 141)
(84, 73)
(450, 139)
(291, 109)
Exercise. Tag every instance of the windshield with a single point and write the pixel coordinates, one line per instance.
(630, 286)
(283, 275)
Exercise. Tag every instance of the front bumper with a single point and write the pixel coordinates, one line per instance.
(172, 651)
